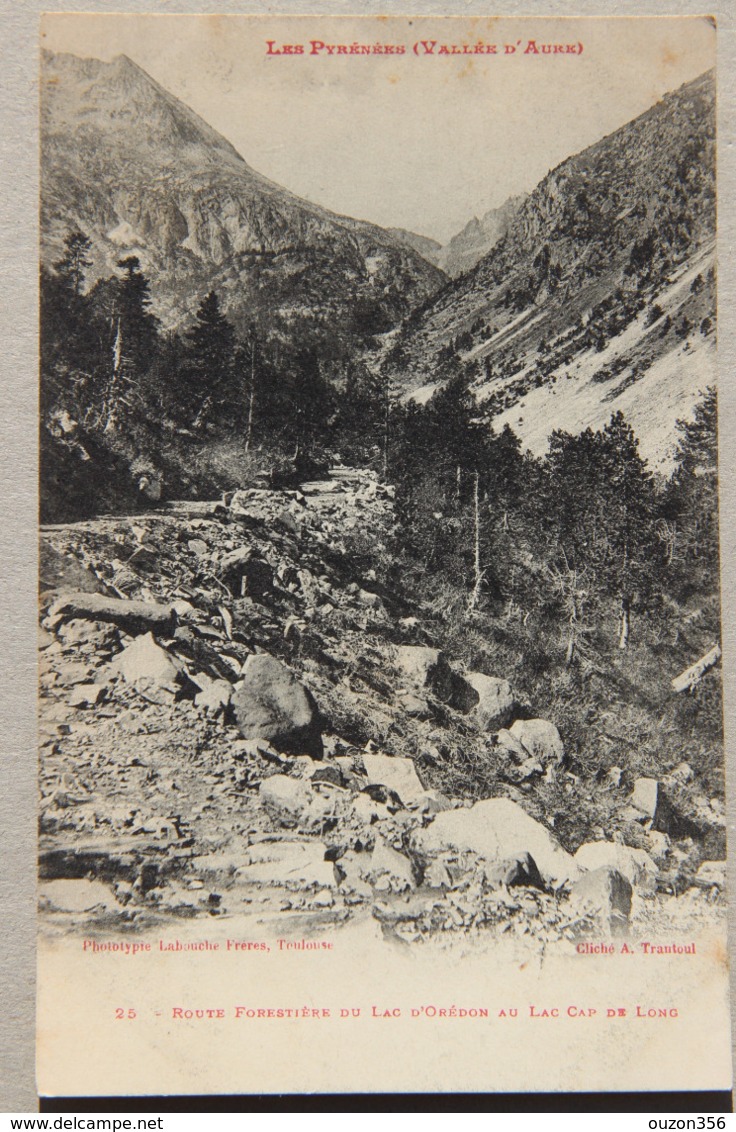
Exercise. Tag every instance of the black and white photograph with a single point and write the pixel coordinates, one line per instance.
(380, 620)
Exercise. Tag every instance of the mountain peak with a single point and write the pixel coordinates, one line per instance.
(139, 171)
(479, 236)
(122, 66)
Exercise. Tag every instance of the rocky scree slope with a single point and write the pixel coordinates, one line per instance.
(599, 297)
(141, 174)
(238, 719)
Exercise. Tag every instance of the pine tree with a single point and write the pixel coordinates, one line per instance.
(312, 404)
(69, 340)
(73, 264)
(690, 506)
(600, 517)
(209, 379)
(138, 326)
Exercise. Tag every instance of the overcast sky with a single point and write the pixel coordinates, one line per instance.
(424, 142)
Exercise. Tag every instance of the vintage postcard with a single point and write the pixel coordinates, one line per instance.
(381, 730)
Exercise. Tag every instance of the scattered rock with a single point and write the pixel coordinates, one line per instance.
(246, 574)
(634, 864)
(287, 799)
(496, 829)
(390, 870)
(214, 695)
(146, 665)
(82, 632)
(494, 701)
(397, 774)
(520, 871)
(426, 668)
(86, 695)
(271, 704)
(367, 811)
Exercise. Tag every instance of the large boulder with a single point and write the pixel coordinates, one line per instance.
(426, 667)
(270, 703)
(494, 702)
(645, 797)
(59, 571)
(76, 895)
(540, 738)
(634, 864)
(133, 616)
(287, 863)
(496, 829)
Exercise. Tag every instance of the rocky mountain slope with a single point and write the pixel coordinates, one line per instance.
(428, 248)
(601, 294)
(239, 718)
(139, 173)
(478, 237)
(468, 246)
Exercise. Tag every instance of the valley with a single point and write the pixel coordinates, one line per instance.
(379, 577)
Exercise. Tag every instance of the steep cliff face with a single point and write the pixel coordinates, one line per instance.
(478, 237)
(141, 173)
(600, 296)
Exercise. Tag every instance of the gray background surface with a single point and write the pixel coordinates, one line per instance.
(18, 444)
